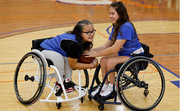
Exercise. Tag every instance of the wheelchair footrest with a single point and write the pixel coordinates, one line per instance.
(110, 96)
(99, 99)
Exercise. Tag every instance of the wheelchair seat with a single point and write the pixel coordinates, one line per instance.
(142, 65)
(36, 45)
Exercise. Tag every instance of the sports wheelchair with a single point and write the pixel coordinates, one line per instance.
(34, 72)
(140, 83)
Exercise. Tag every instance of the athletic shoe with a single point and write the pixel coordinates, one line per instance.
(58, 89)
(98, 88)
(69, 86)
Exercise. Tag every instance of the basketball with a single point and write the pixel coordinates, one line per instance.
(87, 60)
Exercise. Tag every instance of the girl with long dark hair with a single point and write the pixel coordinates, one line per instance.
(122, 42)
(65, 49)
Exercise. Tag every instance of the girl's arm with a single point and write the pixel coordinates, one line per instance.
(107, 44)
(108, 51)
(74, 64)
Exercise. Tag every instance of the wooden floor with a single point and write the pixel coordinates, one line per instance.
(156, 21)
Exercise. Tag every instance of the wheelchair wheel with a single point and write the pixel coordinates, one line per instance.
(97, 78)
(140, 84)
(84, 78)
(29, 78)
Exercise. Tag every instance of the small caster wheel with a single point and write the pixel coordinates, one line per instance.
(90, 98)
(101, 107)
(82, 99)
(58, 105)
(146, 92)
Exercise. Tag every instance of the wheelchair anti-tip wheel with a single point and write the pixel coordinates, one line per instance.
(140, 84)
(29, 78)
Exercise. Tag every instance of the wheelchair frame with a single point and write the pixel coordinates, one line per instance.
(41, 75)
(125, 82)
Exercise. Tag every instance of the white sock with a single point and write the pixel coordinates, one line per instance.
(111, 85)
(108, 90)
(104, 87)
(67, 80)
(97, 89)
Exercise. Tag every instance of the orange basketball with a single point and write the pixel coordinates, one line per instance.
(87, 60)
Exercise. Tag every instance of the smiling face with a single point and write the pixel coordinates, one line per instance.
(113, 14)
(88, 33)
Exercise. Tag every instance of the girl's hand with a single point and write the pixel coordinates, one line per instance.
(94, 63)
(90, 53)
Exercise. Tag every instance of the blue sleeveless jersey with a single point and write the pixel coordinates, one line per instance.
(132, 43)
(55, 43)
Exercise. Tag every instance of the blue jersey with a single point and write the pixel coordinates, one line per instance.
(132, 43)
(54, 44)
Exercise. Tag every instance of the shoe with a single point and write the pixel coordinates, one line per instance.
(58, 89)
(97, 89)
(69, 86)
(109, 90)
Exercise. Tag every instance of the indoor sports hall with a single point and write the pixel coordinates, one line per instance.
(21, 21)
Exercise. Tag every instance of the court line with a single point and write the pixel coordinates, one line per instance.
(107, 30)
(94, 3)
(107, 2)
(102, 34)
(8, 63)
(176, 83)
(63, 24)
(169, 70)
(36, 28)
(58, 5)
(141, 4)
(47, 26)
(168, 55)
(170, 62)
(6, 81)
(76, 17)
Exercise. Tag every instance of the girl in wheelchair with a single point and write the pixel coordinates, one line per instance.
(122, 42)
(64, 50)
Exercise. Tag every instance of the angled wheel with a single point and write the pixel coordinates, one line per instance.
(29, 78)
(98, 78)
(84, 78)
(140, 84)
(101, 107)
(59, 105)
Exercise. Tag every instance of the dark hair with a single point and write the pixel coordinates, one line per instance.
(123, 17)
(78, 33)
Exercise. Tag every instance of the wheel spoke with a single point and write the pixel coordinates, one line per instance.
(146, 87)
(27, 88)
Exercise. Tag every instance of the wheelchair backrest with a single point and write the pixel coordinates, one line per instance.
(141, 65)
(36, 43)
(146, 50)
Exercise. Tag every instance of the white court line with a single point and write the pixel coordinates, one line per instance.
(102, 2)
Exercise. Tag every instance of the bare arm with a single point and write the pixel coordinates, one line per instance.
(75, 65)
(107, 44)
(108, 51)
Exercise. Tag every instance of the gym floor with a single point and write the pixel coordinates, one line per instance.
(156, 22)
